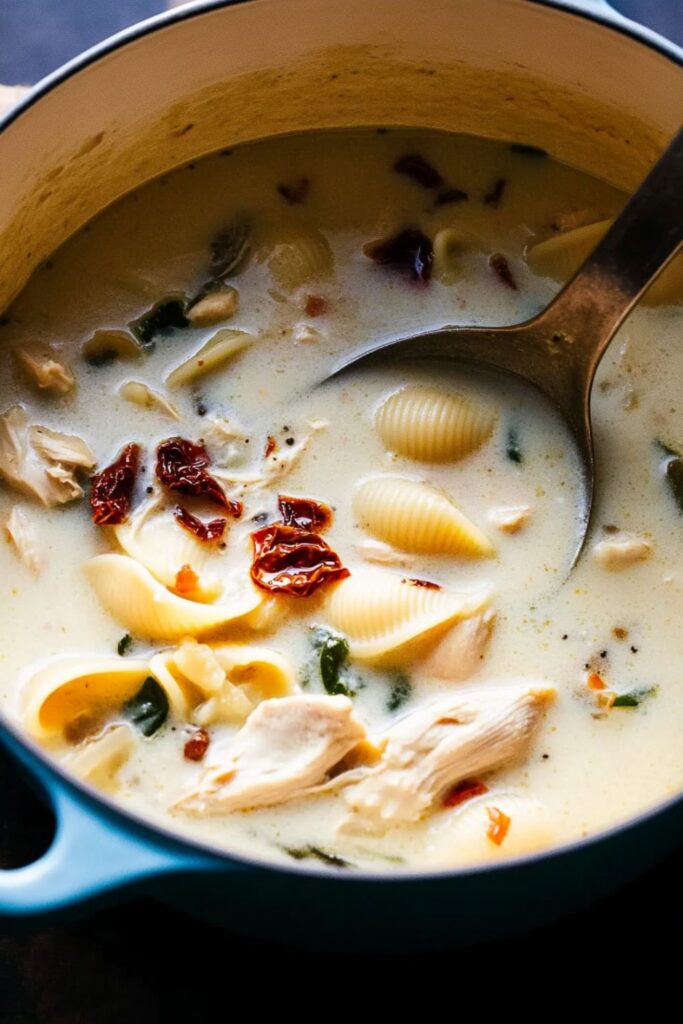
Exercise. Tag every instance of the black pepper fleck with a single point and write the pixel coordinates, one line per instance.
(634, 649)
(150, 489)
(289, 441)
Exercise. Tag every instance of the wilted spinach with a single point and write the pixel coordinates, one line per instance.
(162, 319)
(672, 469)
(316, 853)
(331, 652)
(124, 645)
(512, 446)
(633, 698)
(148, 709)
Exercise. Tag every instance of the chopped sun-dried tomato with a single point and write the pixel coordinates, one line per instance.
(465, 790)
(500, 266)
(410, 252)
(288, 560)
(595, 682)
(499, 825)
(315, 305)
(197, 745)
(182, 467)
(306, 513)
(111, 489)
(207, 532)
(270, 446)
(416, 167)
(186, 580)
(413, 581)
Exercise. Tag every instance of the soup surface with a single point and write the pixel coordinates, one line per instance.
(335, 624)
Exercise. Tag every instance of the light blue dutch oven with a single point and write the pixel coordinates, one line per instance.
(576, 78)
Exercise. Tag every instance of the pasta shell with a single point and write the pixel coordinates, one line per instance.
(142, 605)
(295, 255)
(432, 426)
(217, 350)
(416, 517)
(156, 541)
(379, 611)
(98, 760)
(78, 686)
(461, 837)
(561, 255)
(107, 345)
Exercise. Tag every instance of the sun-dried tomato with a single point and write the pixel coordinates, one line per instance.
(500, 266)
(182, 467)
(316, 305)
(111, 490)
(270, 446)
(415, 582)
(305, 513)
(186, 580)
(288, 560)
(409, 252)
(416, 167)
(207, 532)
(465, 790)
(197, 745)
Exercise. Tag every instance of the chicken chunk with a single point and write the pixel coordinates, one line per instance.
(22, 533)
(432, 749)
(287, 745)
(460, 653)
(44, 368)
(621, 551)
(41, 463)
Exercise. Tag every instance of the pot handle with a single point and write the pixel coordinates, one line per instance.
(94, 853)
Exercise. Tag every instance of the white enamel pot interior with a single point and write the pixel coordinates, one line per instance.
(583, 84)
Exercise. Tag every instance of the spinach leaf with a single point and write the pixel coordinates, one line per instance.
(162, 319)
(512, 446)
(334, 654)
(124, 645)
(231, 248)
(148, 709)
(331, 654)
(672, 470)
(316, 853)
(400, 691)
(633, 698)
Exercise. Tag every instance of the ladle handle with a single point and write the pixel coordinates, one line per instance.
(638, 245)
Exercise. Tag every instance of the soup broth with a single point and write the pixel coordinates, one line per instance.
(336, 624)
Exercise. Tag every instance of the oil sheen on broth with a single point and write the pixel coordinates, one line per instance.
(398, 671)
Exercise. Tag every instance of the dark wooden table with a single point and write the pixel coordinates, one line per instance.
(144, 962)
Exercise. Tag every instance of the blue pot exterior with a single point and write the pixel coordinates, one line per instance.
(100, 853)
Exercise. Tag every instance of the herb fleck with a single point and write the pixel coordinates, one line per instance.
(124, 645)
(316, 853)
(296, 192)
(512, 447)
(495, 193)
(633, 698)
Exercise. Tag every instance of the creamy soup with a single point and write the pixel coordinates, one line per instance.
(336, 624)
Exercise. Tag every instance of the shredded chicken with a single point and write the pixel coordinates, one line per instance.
(510, 519)
(379, 553)
(274, 466)
(621, 550)
(459, 654)
(430, 750)
(22, 533)
(214, 307)
(287, 745)
(40, 462)
(44, 368)
(143, 395)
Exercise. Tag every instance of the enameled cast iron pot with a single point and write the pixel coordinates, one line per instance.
(593, 89)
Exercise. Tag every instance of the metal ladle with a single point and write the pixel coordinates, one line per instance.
(559, 350)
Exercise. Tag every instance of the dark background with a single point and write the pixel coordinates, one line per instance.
(143, 962)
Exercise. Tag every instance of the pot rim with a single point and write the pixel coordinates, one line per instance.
(604, 16)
